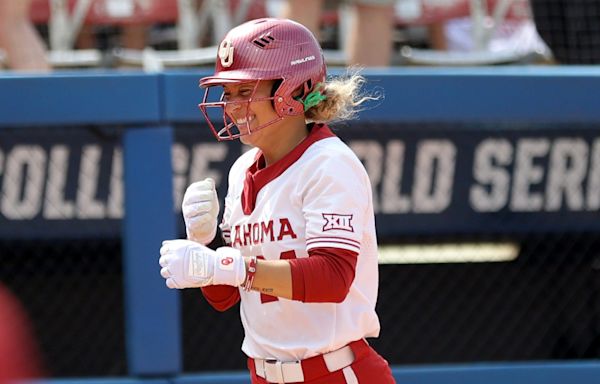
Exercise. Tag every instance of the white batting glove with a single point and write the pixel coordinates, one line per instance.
(187, 264)
(200, 209)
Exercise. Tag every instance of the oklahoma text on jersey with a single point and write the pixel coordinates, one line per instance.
(257, 233)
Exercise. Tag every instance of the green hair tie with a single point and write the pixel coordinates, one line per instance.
(313, 98)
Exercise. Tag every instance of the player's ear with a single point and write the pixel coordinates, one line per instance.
(298, 94)
(275, 87)
(302, 90)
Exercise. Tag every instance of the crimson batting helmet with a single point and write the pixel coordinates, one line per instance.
(266, 49)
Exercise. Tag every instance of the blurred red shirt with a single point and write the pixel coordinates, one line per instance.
(19, 357)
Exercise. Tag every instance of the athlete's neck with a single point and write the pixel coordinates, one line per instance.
(283, 140)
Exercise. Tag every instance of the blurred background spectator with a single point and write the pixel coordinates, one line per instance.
(477, 32)
(19, 358)
(23, 47)
(353, 32)
(370, 31)
(518, 36)
(132, 36)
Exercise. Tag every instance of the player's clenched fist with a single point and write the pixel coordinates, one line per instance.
(187, 264)
(200, 209)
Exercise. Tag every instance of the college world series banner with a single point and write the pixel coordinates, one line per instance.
(434, 178)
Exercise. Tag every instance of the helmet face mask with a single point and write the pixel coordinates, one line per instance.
(264, 50)
(231, 129)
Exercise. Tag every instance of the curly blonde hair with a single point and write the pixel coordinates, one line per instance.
(343, 98)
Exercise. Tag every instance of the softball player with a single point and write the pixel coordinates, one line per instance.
(298, 216)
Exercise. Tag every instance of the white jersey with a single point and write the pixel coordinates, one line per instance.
(319, 195)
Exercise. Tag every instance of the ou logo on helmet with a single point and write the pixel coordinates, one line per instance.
(226, 53)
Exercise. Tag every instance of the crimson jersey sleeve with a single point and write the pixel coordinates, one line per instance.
(221, 297)
(323, 277)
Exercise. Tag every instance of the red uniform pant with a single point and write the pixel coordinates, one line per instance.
(368, 367)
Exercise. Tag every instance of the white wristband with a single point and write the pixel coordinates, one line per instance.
(230, 268)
